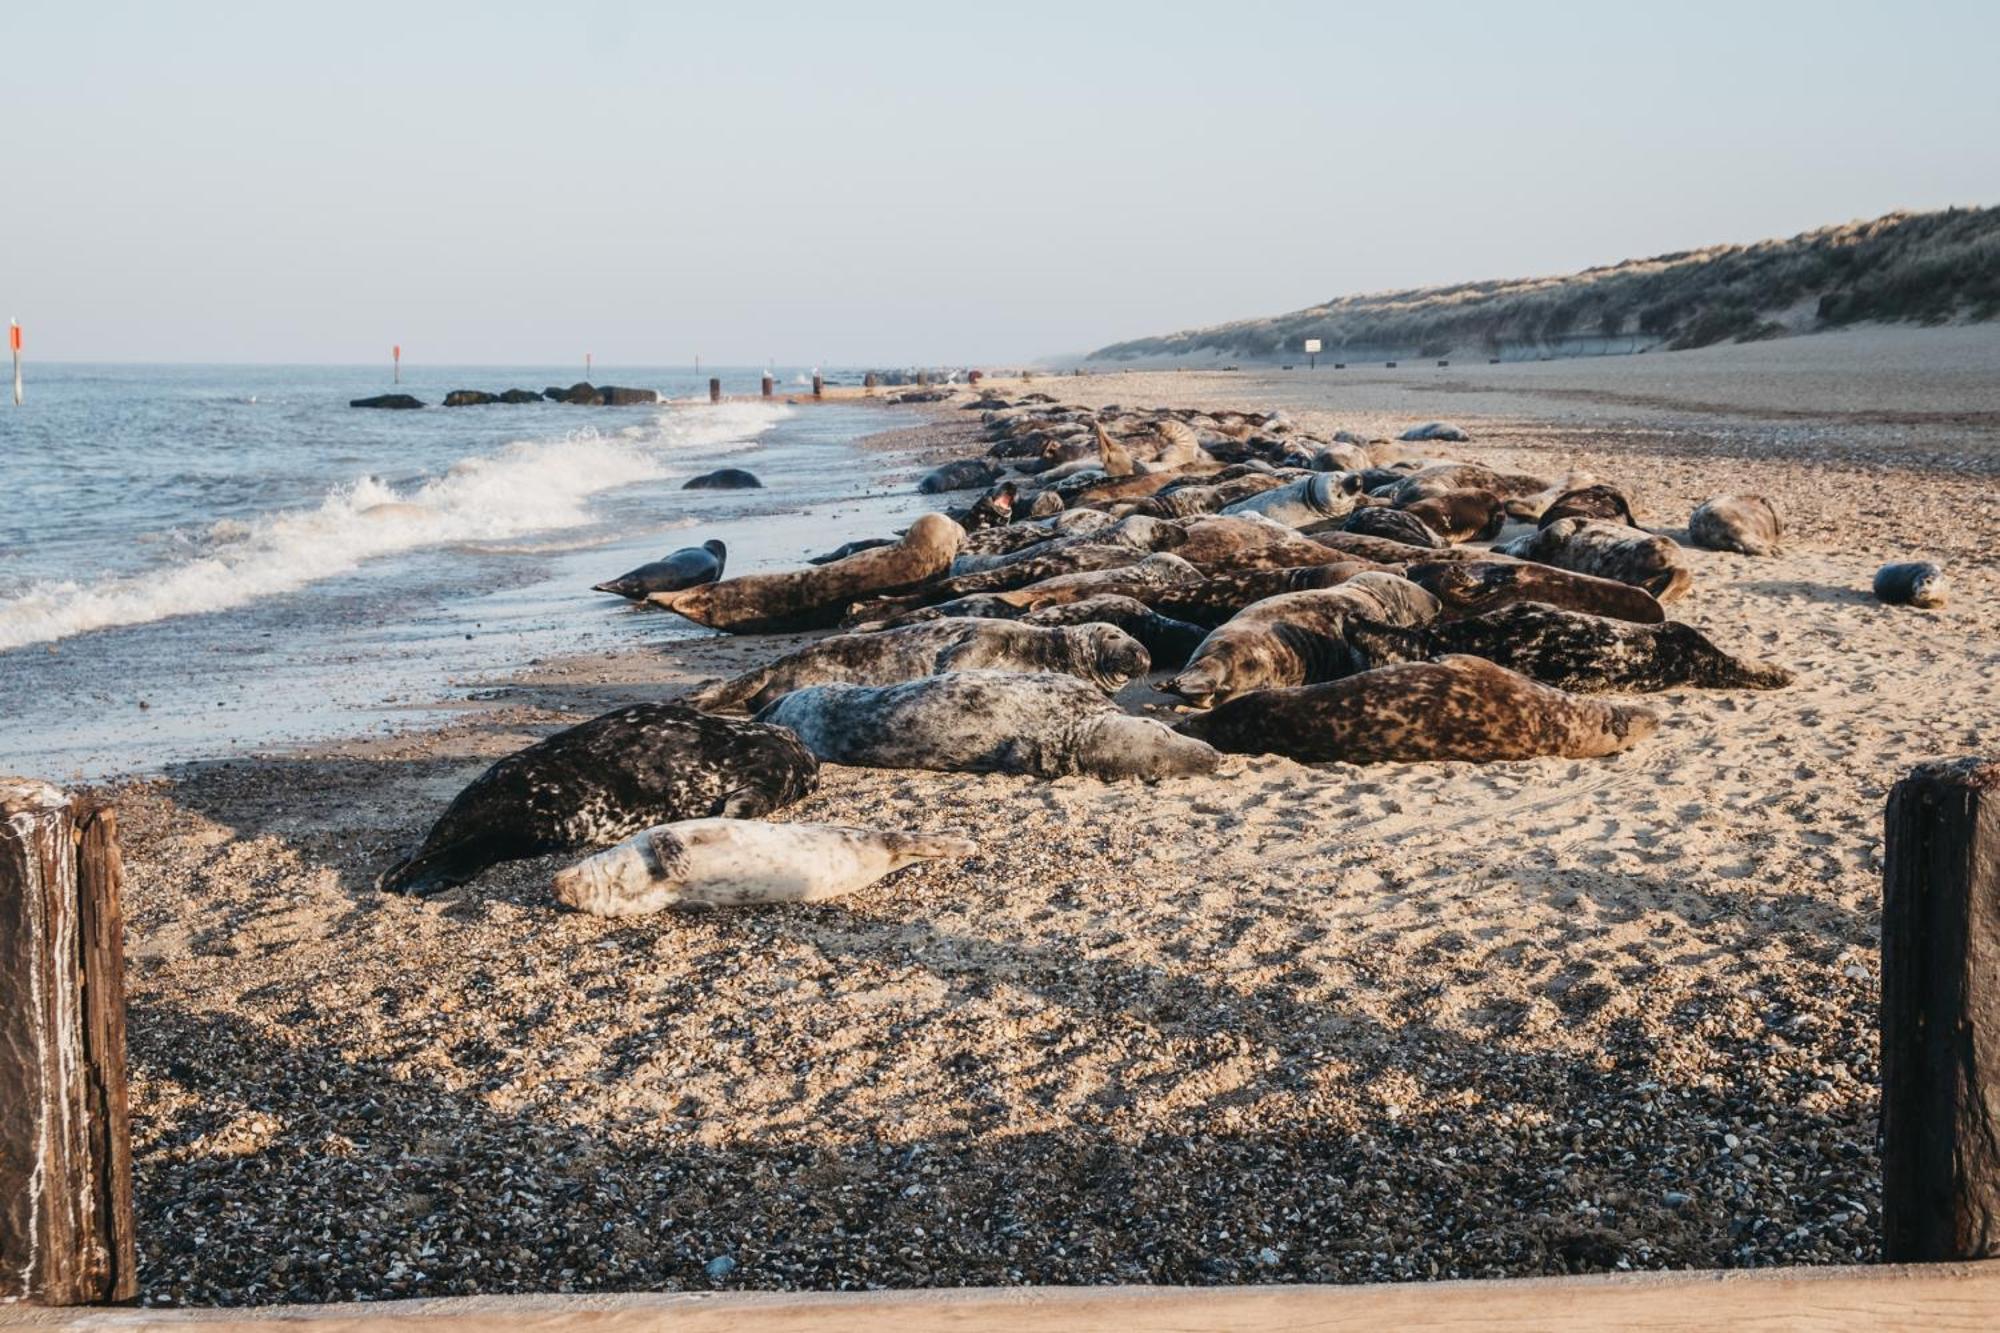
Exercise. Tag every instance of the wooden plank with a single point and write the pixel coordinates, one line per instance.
(65, 1153)
(1941, 1015)
(1939, 1297)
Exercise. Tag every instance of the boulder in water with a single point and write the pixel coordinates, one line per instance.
(397, 401)
(520, 396)
(618, 396)
(468, 398)
(724, 479)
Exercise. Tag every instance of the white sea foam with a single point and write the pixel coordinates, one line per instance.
(525, 488)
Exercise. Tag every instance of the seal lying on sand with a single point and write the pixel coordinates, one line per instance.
(1215, 600)
(1100, 654)
(986, 722)
(1459, 707)
(1227, 543)
(1296, 638)
(603, 780)
(1611, 551)
(1461, 515)
(814, 598)
(1307, 500)
(846, 549)
(963, 475)
(1082, 558)
(1917, 583)
(1467, 588)
(735, 862)
(724, 479)
(1569, 650)
(688, 567)
(1394, 525)
(1747, 524)
(1167, 641)
(1187, 501)
(1598, 501)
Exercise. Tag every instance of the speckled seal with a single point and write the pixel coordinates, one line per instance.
(1458, 707)
(986, 722)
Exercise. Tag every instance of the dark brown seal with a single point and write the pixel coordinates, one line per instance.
(1459, 707)
(1467, 588)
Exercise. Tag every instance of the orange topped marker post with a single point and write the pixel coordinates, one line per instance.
(14, 343)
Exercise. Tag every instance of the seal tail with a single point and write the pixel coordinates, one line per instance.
(930, 846)
(1735, 673)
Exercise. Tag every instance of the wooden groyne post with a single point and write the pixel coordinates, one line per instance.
(819, 385)
(65, 1140)
(715, 391)
(767, 386)
(1941, 1014)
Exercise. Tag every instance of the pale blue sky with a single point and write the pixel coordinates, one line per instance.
(894, 183)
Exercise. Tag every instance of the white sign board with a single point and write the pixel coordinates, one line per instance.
(1312, 346)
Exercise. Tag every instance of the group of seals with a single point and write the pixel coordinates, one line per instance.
(1317, 597)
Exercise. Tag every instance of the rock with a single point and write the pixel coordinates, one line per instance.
(468, 398)
(520, 396)
(724, 479)
(1436, 430)
(720, 1267)
(399, 401)
(581, 394)
(614, 395)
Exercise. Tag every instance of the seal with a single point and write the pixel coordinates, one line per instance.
(989, 543)
(688, 567)
(603, 780)
(986, 722)
(1104, 656)
(815, 597)
(1746, 524)
(1609, 550)
(724, 479)
(1442, 477)
(1388, 551)
(738, 862)
(1064, 559)
(1185, 501)
(1225, 543)
(1216, 599)
(1167, 641)
(1296, 638)
(1599, 500)
(1395, 525)
(1461, 515)
(1436, 430)
(995, 509)
(1569, 650)
(1307, 500)
(1916, 583)
(1467, 588)
(964, 474)
(1458, 707)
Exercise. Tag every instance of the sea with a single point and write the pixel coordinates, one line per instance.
(205, 561)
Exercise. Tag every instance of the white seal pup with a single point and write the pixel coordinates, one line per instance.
(737, 862)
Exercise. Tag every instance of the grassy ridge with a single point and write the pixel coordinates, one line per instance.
(1927, 267)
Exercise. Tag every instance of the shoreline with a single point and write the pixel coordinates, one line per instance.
(1292, 1024)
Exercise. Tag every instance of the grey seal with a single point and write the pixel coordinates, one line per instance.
(688, 567)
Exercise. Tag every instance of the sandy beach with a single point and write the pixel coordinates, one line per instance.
(1292, 1023)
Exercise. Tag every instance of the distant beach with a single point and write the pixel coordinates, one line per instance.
(1291, 1023)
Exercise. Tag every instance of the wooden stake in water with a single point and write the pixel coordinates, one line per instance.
(14, 341)
(586, 367)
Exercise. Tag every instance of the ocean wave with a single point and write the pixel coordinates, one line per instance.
(529, 487)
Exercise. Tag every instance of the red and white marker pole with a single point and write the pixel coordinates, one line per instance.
(397, 353)
(14, 342)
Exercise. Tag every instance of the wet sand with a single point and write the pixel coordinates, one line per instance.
(1289, 1024)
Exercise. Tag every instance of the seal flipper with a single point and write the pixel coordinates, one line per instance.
(741, 803)
(430, 870)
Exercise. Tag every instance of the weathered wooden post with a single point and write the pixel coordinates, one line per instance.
(65, 1144)
(870, 381)
(819, 385)
(1941, 1015)
(767, 386)
(715, 391)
